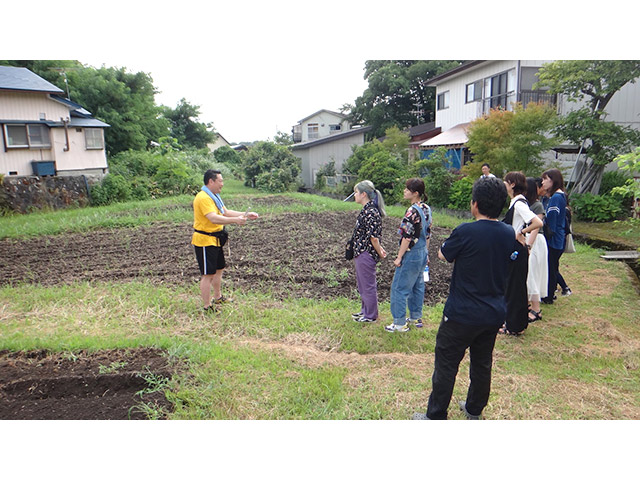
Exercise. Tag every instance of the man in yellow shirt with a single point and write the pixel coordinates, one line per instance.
(209, 219)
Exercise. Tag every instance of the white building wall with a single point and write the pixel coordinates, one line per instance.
(315, 157)
(461, 112)
(30, 107)
(77, 159)
(323, 119)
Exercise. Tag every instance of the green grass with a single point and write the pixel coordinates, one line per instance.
(305, 359)
(625, 232)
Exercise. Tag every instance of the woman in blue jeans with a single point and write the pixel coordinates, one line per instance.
(407, 288)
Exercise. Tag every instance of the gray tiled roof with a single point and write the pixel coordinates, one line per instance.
(18, 78)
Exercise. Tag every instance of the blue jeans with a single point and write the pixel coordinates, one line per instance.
(407, 288)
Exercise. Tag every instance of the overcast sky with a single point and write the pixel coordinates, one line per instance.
(256, 68)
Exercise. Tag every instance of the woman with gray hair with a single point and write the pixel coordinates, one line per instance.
(367, 250)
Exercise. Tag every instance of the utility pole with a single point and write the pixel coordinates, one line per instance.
(63, 71)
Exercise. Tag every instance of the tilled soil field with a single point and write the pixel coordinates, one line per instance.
(107, 385)
(289, 255)
(296, 254)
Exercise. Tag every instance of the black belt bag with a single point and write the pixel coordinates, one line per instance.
(222, 235)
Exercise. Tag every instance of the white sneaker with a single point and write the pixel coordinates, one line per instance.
(396, 328)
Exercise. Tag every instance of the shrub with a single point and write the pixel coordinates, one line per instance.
(386, 173)
(460, 194)
(272, 168)
(437, 178)
(597, 208)
(113, 188)
(612, 179)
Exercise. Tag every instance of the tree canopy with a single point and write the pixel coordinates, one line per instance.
(595, 82)
(185, 127)
(397, 91)
(511, 140)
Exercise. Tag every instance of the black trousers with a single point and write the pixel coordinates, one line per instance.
(452, 341)
(553, 261)
(516, 294)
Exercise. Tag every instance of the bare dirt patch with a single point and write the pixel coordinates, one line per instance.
(40, 385)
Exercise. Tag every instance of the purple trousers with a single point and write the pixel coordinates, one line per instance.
(367, 286)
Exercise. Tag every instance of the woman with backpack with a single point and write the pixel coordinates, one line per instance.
(367, 250)
(407, 287)
(556, 219)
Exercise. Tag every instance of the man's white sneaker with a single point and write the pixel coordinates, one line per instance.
(396, 328)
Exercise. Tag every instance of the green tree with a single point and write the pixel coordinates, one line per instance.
(283, 138)
(185, 127)
(595, 82)
(396, 89)
(386, 173)
(271, 167)
(511, 140)
(124, 100)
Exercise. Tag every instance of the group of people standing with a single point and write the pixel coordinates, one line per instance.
(407, 287)
(502, 271)
(537, 206)
(541, 233)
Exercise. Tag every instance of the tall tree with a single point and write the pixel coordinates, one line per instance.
(186, 128)
(397, 94)
(595, 82)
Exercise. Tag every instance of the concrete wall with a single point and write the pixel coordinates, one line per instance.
(26, 194)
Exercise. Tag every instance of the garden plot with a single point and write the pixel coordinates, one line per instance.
(298, 255)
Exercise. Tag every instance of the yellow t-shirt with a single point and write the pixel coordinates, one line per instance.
(203, 204)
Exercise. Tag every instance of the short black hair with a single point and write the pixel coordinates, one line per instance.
(490, 194)
(416, 185)
(519, 182)
(211, 175)
(486, 165)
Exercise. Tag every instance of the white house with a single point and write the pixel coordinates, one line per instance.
(319, 125)
(44, 133)
(473, 88)
(220, 142)
(315, 154)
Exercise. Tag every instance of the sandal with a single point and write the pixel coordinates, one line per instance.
(503, 331)
(536, 315)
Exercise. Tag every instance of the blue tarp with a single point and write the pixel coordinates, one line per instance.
(454, 156)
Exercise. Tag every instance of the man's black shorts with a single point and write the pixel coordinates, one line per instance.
(210, 259)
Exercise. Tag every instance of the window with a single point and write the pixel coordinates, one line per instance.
(27, 136)
(500, 91)
(93, 138)
(312, 131)
(474, 91)
(334, 128)
(443, 100)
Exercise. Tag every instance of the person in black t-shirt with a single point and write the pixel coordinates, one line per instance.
(476, 307)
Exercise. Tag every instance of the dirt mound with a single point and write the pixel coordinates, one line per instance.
(107, 385)
(295, 254)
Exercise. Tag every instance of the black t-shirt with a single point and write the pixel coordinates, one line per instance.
(481, 251)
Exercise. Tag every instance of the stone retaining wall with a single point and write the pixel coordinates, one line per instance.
(23, 194)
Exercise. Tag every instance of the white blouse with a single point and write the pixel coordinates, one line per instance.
(522, 214)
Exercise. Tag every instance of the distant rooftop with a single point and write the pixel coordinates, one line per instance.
(22, 79)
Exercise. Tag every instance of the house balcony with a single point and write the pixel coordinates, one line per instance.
(537, 96)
